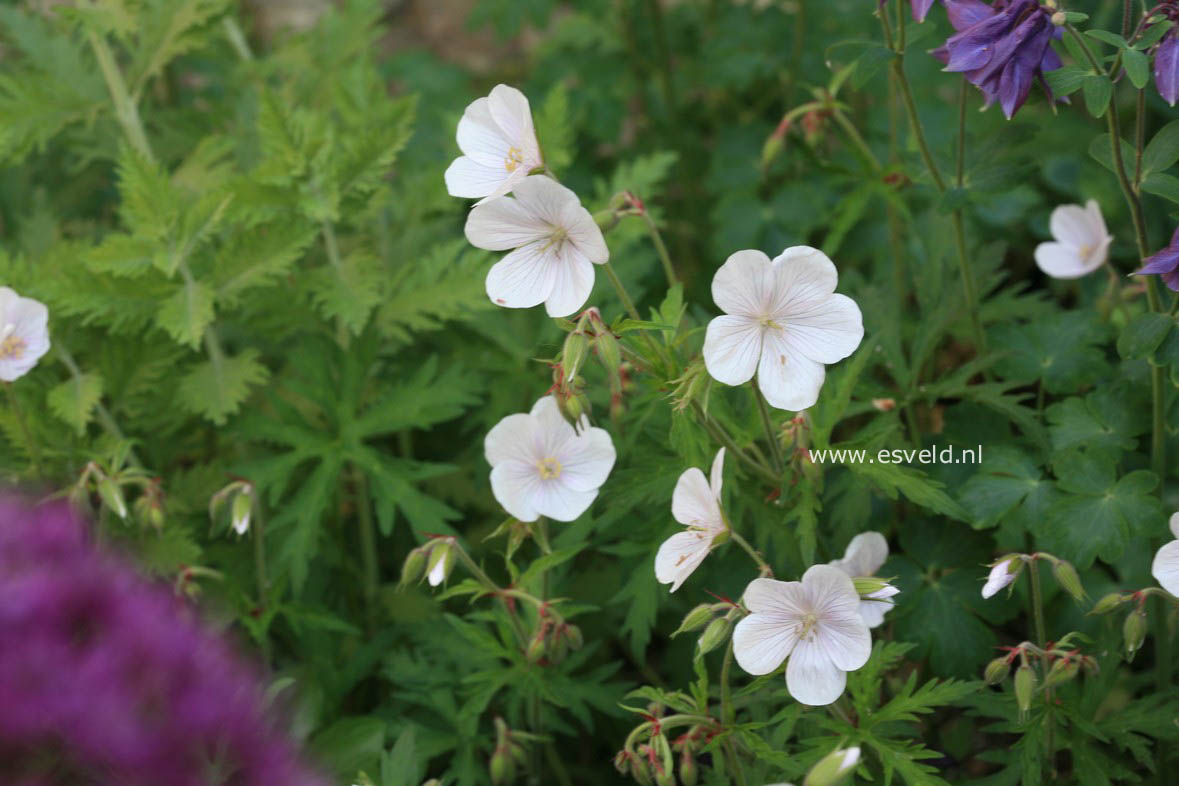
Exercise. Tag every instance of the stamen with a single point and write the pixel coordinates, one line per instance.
(514, 159)
(549, 468)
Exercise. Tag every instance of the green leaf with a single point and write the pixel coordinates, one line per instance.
(1137, 67)
(348, 744)
(1097, 90)
(915, 485)
(1162, 150)
(1162, 184)
(1006, 478)
(350, 292)
(1102, 152)
(554, 128)
(216, 389)
(1090, 423)
(150, 206)
(1107, 37)
(1153, 34)
(1066, 80)
(1143, 335)
(187, 313)
(168, 30)
(74, 400)
(444, 287)
(869, 63)
(1061, 350)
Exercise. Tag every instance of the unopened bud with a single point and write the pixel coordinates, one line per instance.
(414, 567)
(536, 647)
(689, 773)
(884, 404)
(695, 619)
(112, 496)
(640, 770)
(1060, 19)
(714, 635)
(1110, 602)
(558, 647)
(441, 562)
(573, 355)
(609, 351)
(997, 671)
(243, 503)
(873, 588)
(1004, 572)
(1025, 687)
(1069, 581)
(573, 637)
(1134, 632)
(622, 762)
(503, 767)
(1062, 671)
(833, 768)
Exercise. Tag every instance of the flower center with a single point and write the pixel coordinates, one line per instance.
(549, 468)
(809, 627)
(1085, 250)
(769, 323)
(11, 347)
(514, 159)
(556, 239)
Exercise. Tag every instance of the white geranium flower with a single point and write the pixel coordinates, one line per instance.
(24, 334)
(1003, 572)
(695, 503)
(1080, 242)
(782, 320)
(1165, 567)
(555, 241)
(815, 622)
(498, 143)
(540, 466)
(864, 556)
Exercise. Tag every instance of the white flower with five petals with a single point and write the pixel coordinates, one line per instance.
(1165, 567)
(24, 334)
(864, 555)
(540, 466)
(499, 146)
(555, 241)
(815, 622)
(783, 320)
(695, 503)
(1080, 241)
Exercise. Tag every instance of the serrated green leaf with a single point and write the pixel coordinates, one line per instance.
(216, 389)
(554, 128)
(74, 400)
(187, 313)
(915, 485)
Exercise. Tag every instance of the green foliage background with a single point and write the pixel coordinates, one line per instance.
(271, 284)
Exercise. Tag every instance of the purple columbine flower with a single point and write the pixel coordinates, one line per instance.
(105, 678)
(1164, 263)
(919, 8)
(1001, 48)
(1166, 60)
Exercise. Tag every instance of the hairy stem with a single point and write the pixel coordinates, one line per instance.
(368, 540)
(26, 434)
(660, 248)
(768, 424)
(762, 565)
(623, 295)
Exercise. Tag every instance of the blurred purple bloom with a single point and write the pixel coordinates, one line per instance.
(107, 679)
(1166, 67)
(1001, 48)
(920, 8)
(1164, 263)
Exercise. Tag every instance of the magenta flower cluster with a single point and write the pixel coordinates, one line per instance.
(108, 679)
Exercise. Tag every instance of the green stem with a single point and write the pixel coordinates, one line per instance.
(126, 112)
(660, 248)
(735, 763)
(762, 565)
(237, 38)
(492, 588)
(627, 303)
(1037, 604)
(258, 536)
(856, 139)
(104, 416)
(26, 434)
(768, 423)
(332, 247)
(368, 541)
(726, 695)
(720, 435)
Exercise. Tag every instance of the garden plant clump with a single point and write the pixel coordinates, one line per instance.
(617, 391)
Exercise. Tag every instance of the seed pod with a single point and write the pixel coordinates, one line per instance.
(1069, 581)
(573, 355)
(112, 496)
(1109, 603)
(695, 619)
(997, 671)
(608, 350)
(714, 635)
(414, 567)
(1025, 687)
(1134, 632)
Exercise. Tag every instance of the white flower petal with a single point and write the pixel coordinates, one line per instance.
(523, 278)
(1173, 523)
(828, 587)
(864, 555)
(558, 502)
(770, 596)
(873, 611)
(1060, 261)
(555, 431)
(801, 274)
(514, 438)
(502, 223)
(586, 460)
(679, 555)
(1165, 567)
(516, 486)
(812, 678)
(787, 379)
(25, 323)
(825, 330)
(716, 478)
(732, 346)
(585, 233)
(573, 279)
(845, 638)
(466, 177)
(692, 502)
(480, 138)
(1073, 225)
(546, 199)
(512, 113)
(438, 574)
(762, 641)
(744, 284)
(1002, 573)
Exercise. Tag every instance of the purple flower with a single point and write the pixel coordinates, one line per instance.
(105, 678)
(1000, 48)
(1166, 67)
(919, 7)
(1164, 263)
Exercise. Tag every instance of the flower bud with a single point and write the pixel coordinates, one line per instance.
(1134, 632)
(536, 647)
(714, 635)
(112, 496)
(573, 637)
(503, 767)
(1062, 671)
(695, 619)
(414, 566)
(1109, 603)
(1004, 571)
(1060, 19)
(243, 503)
(640, 770)
(622, 761)
(1025, 687)
(833, 768)
(441, 562)
(1069, 581)
(573, 355)
(689, 774)
(997, 671)
(558, 647)
(873, 588)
